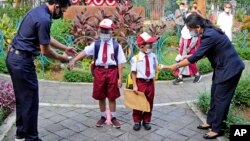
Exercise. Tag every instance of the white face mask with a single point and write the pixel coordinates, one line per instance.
(228, 10)
(149, 51)
(193, 34)
(104, 37)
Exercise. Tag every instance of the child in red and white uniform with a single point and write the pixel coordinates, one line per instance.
(143, 70)
(107, 72)
(188, 46)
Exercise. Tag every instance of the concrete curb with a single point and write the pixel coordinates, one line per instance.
(202, 117)
(7, 124)
(7, 77)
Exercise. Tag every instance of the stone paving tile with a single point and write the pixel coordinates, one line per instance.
(79, 124)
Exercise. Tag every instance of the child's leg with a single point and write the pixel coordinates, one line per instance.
(102, 106)
(112, 107)
(102, 120)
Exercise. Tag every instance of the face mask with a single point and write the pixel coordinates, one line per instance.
(227, 10)
(57, 15)
(149, 51)
(193, 34)
(104, 37)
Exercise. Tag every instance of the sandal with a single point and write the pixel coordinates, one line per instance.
(206, 136)
(204, 127)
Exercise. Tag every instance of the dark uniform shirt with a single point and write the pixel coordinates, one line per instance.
(34, 30)
(221, 54)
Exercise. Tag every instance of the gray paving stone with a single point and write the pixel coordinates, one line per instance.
(51, 137)
(153, 137)
(54, 127)
(177, 137)
(164, 132)
(57, 118)
(78, 137)
(187, 132)
(65, 133)
(128, 137)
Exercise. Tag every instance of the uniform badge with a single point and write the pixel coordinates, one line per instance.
(112, 56)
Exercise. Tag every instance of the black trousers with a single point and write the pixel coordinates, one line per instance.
(23, 75)
(221, 96)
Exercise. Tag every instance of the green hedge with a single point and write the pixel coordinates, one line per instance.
(3, 67)
(204, 66)
(77, 76)
(203, 102)
(244, 53)
(242, 93)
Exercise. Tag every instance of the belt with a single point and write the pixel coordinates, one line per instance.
(107, 67)
(19, 52)
(145, 80)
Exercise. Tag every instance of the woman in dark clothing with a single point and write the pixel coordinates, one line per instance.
(227, 68)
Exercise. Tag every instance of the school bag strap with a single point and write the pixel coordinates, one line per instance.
(97, 48)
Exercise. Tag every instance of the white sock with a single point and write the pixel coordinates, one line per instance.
(180, 76)
(197, 74)
(113, 114)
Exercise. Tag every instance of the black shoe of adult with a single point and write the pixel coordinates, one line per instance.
(146, 126)
(203, 127)
(137, 126)
(206, 136)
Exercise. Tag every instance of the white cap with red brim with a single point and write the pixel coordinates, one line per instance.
(145, 38)
(107, 23)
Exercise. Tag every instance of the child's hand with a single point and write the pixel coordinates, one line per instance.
(119, 83)
(71, 65)
(135, 89)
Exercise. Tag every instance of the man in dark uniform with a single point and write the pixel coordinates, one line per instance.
(32, 38)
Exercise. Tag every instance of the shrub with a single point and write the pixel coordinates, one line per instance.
(8, 29)
(77, 76)
(165, 75)
(60, 29)
(246, 23)
(13, 12)
(2, 115)
(172, 41)
(3, 68)
(204, 66)
(244, 53)
(242, 93)
(233, 118)
(203, 102)
(7, 97)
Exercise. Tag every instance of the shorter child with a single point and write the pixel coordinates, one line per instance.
(143, 69)
(188, 46)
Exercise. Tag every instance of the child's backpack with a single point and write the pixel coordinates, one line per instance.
(96, 51)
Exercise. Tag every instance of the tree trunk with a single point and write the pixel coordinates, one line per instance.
(202, 6)
(18, 2)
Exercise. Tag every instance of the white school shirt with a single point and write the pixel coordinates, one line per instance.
(225, 22)
(139, 65)
(89, 50)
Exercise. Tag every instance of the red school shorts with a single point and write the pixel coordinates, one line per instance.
(105, 84)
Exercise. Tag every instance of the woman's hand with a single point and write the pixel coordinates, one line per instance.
(70, 51)
(173, 67)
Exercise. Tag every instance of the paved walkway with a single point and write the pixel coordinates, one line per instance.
(68, 113)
